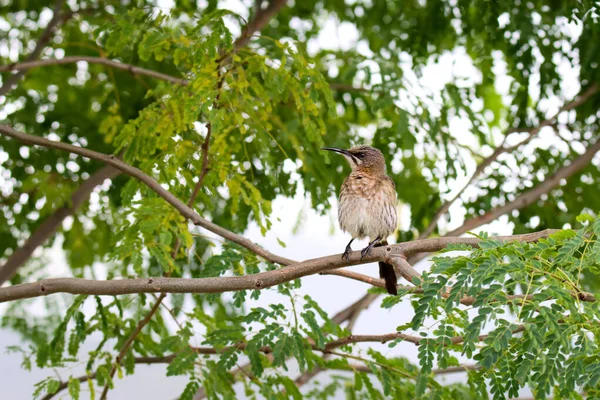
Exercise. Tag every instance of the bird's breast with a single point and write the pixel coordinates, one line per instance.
(367, 207)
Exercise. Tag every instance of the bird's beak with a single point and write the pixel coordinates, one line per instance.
(349, 156)
(336, 150)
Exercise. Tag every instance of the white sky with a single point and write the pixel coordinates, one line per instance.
(314, 239)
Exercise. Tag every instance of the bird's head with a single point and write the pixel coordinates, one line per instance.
(363, 158)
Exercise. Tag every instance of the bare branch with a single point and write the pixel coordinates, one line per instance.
(576, 102)
(580, 99)
(186, 211)
(377, 282)
(52, 223)
(402, 267)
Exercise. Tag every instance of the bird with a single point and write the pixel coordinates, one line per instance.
(367, 205)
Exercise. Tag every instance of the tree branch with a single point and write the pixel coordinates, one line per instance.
(135, 70)
(52, 223)
(307, 376)
(258, 281)
(129, 342)
(580, 99)
(377, 282)
(465, 300)
(57, 18)
(532, 195)
(186, 211)
(25, 66)
(64, 385)
(260, 20)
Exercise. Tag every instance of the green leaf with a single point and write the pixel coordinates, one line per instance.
(182, 363)
(190, 390)
(74, 388)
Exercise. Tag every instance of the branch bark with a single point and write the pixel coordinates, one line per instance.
(52, 223)
(235, 283)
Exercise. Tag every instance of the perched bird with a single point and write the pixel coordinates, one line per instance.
(367, 204)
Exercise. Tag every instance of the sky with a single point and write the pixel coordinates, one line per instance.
(318, 235)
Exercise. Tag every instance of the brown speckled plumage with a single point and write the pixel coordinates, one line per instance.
(367, 204)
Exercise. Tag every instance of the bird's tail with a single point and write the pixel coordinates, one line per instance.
(386, 271)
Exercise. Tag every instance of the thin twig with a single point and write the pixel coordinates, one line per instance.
(129, 342)
(25, 66)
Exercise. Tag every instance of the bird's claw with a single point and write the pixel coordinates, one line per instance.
(346, 255)
(364, 252)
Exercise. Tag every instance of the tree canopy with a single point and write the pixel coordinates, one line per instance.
(129, 128)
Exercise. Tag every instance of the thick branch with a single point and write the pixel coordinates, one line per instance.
(402, 267)
(235, 283)
(186, 211)
(52, 223)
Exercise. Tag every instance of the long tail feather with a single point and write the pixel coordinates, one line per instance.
(386, 271)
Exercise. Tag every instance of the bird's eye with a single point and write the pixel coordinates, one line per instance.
(360, 155)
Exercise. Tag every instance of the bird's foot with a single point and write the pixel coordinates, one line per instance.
(346, 255)
(364, 252)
